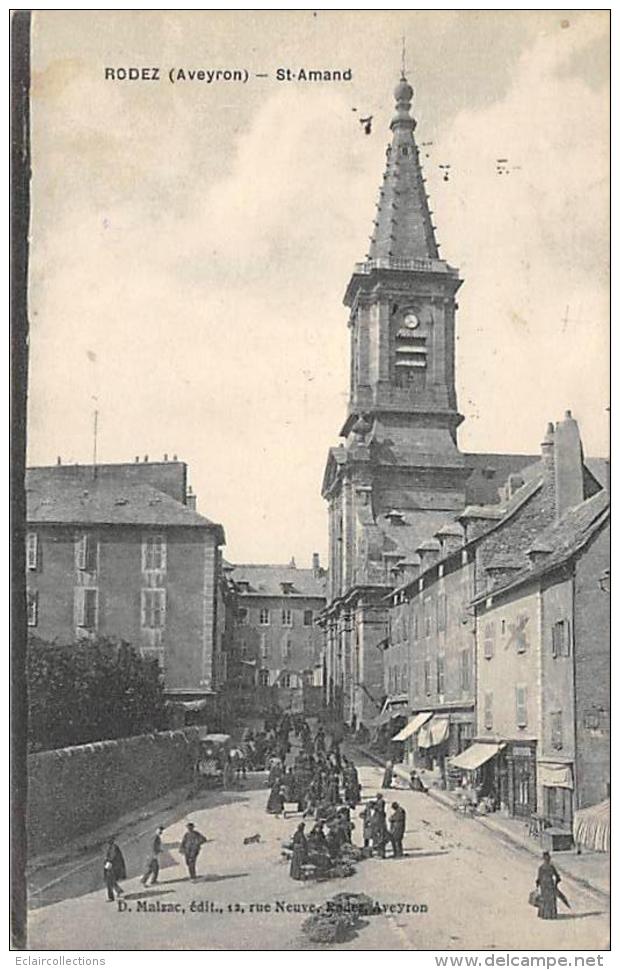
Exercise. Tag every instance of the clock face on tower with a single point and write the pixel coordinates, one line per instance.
(411, 321)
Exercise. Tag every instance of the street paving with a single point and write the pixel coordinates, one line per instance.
(473, 887)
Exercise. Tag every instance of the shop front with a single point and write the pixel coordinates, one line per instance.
(555, 784)
(517, 778)
(476, 771)
(433, 744)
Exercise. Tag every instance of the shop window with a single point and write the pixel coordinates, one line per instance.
(521, 706)
(488, 710)
(489, 640)
(32, 607)
(555, 719)
(441, 675)
(558, 805)
(560, 639)
(264, 618)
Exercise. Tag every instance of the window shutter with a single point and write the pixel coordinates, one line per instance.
(81, 552)
(33, 607)
(32, 550)
(163, 553)
(79, 606)
(488, 710)
(144, 607)
(163, 605)
(521, 706)
(489, 640)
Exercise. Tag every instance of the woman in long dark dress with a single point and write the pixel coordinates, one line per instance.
(275, 802)
(300, 853)
(547, 881)
(388, 775)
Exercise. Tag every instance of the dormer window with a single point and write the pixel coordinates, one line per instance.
(287, 588)
(243, 586)
(395, 517)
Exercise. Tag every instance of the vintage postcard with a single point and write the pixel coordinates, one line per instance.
(313, 528)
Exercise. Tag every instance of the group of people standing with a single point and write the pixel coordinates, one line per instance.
(321, 776)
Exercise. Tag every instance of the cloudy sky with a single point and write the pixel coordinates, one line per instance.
(191, 243)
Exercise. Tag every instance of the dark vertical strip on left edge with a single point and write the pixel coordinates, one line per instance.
(20, 221)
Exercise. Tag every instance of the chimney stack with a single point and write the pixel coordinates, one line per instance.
(190, 499)
(59, 460)
(568, 465)
(316, 565)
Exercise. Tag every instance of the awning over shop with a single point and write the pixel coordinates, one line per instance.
(591, 827)
(413, 726)
(555, 775)
(434, 732)
(475, 755)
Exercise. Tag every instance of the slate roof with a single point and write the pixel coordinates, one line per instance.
(565, 538)
(265, 579)
(108, 503)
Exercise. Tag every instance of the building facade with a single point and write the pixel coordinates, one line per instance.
(277, 642)
(475, 666)
(119, 551)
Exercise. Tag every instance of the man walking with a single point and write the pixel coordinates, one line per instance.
(398, 820)
(152, 868)
(190, 847)
(113, 869)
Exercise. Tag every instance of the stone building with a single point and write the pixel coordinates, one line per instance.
(543, 649)
(277, 642)
(119, 551)
(398, 476)
(432, 629)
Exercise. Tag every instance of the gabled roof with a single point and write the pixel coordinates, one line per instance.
(566, 538)
(264, 579)
(107, 503)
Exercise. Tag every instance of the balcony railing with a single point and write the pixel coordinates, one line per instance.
(406, 265)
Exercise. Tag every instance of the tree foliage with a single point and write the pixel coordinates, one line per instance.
(91, 691)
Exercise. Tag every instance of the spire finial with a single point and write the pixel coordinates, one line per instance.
(403, 58)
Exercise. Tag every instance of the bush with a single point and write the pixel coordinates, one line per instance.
(91, 691)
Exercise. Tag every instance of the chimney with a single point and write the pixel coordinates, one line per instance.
(190, 499)
(568, 464)
(451, 538)
(546, 449)
(429, 552)
(165, 457)
(146, 457)
(137, 459)
(59, 460)
(292, 564)
(316, 565)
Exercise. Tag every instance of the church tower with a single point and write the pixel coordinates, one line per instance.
(398, 475)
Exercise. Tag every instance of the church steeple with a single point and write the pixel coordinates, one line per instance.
(403, 229)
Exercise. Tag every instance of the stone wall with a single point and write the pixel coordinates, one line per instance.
(75, 790)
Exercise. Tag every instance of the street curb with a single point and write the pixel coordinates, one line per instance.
(447, 802)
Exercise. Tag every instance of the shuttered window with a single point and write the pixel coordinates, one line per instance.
(560, 639)
(557, 740)
(87, 553)
(264, 618)
(441, 675)
(489, 640)
(442, 611)
(88, 608)
(488, 710)
(521, 706)
(465, 670)
(427, 676)
(32, 607)
(32, 550)
(287, 617)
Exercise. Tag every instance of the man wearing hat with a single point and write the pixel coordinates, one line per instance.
(113, 869)
(190, 847)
